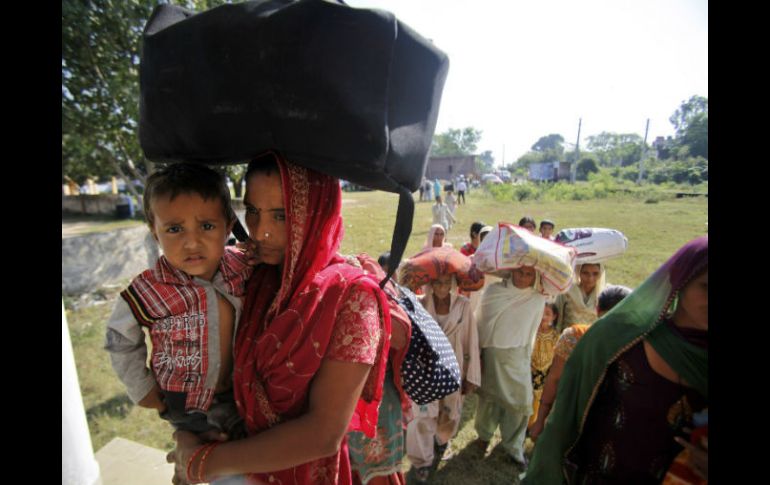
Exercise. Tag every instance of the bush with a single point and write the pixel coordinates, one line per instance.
(501, 192)
(525, 192)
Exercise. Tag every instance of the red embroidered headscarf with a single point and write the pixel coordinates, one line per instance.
(288, 319)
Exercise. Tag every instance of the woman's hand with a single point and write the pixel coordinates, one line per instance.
(249, 249)
(186, 445)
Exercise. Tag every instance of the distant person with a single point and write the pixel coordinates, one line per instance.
(422, 189)
(451, 203)
(470, 247)
(442, 215)
(609, 297)
(546, 229)
(436, 237)
(436, 188)
(428, 190)
(461, 188)
(528, 223)
(197, 281)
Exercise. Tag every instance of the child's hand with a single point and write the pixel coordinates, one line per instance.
(249, 249)
(154, 399)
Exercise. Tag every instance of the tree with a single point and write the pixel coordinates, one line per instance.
(487, 159)
(550, 142)
(691, 122)
(100, 86)
(236, 173)
(586, 166)
(456, 142)
(529, 158)
(616, 148)
(551, 147)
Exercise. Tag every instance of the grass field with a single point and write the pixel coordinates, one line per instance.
(654, 232)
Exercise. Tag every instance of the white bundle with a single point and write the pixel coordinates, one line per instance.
(508, 247)
(594, 244)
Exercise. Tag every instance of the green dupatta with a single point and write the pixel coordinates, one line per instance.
(640, 315)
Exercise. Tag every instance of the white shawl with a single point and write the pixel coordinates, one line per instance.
(572, 305)
(508, 316)
(461, 331)
(432, 232)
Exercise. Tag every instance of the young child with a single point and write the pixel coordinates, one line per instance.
(542, 355)
(437, 422)
(470, 247)
(190, 303)
(608, 298)
(546, 229)
(528, 223)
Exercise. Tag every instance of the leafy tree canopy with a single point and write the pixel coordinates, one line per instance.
(456, 142)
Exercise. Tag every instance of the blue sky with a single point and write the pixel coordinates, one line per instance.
(524, 69)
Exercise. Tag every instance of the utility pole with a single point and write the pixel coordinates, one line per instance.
(573, 168)
(644, 151)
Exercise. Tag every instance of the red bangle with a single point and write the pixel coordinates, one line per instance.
(191, 460)
(202, 464)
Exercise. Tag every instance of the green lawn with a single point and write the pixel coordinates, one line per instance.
(654, 232)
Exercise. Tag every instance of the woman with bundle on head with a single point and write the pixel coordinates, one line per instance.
(435, 423)
(510, 313)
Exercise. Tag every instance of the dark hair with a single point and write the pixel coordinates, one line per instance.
(555, 309)
(476, 228)
(547, 222)
(611, 296)
(527, 219)
(265, 164)
(384, 259)
(187, 178)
